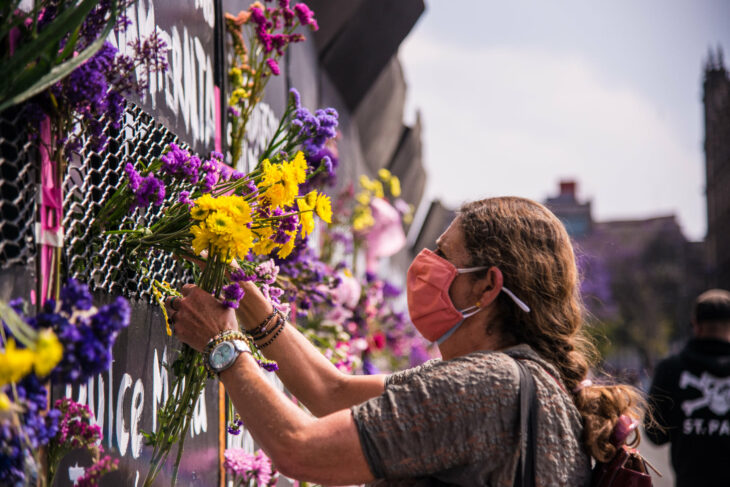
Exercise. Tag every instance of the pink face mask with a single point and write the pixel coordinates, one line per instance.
(432, 312)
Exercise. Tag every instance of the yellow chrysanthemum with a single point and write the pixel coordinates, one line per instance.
(286, 249)
(239, 209)
(306, 217)
(385, 175)
(242, 242)
(270, 173)
(201, 238)
(324, 207)
(276, 196)
(395, 187)
(48, 353)
(15, 363)
(265, 244)
(363, 197)
(299, 167)
(219, 223)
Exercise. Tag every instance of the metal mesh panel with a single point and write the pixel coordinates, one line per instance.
(17, 190)
(97, 259)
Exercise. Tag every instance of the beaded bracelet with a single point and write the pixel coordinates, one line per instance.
(225, 336)
(262, 326)
(281, 322)
(266, 330)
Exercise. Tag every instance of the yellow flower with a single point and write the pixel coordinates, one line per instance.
(203, 206)
(276, 196)
(270, 173)
(395, 187)
(378, 188)
(311, 199)
(201, 238)
(286, 249)
(15, 363)
(385, 175)
(365, 182)
(48, 353)
(4, 402)
(264, 245)
(242, 242)
(363, 197)
(299, 167)
(363, 220)
(324, 207)
(306, 217)
(239, 209)
(219, 223)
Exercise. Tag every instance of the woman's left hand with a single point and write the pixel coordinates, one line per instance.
(198, 316)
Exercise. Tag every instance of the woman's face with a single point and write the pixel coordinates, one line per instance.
(451, 246)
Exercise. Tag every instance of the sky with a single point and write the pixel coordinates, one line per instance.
(515, 96)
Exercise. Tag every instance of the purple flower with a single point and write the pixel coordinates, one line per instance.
(75, 295)
(296, 98)
(232, 294)
(267, 271)
(185, 199)
(134, 178)
(233, 111)
(273, 66)
(306, 16)
(150, 191)
(390, 290)
(268, 365)
(239, 275)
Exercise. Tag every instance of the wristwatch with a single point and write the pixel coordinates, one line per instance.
(225, 353)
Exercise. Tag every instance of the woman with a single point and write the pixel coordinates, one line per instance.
(501, 285)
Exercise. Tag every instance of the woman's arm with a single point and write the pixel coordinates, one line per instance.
(305, 372)
(325, 450)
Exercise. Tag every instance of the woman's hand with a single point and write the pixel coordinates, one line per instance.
(253, 308)
(198, 316)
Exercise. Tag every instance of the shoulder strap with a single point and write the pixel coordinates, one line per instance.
(525, 475)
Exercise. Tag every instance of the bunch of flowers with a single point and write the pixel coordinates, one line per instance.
(76, 429)
(68, 341)
(93, 93)
(268, 31)
(249, 470)
(226, 215)
(386, 186)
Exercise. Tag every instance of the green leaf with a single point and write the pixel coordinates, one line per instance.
(66, 21)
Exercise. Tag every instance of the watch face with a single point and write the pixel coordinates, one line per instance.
(221, 355)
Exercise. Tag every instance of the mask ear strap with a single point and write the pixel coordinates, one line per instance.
(517, 300)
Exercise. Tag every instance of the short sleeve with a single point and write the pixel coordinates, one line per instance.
(446, 415)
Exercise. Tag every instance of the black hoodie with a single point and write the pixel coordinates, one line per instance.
(691, 397)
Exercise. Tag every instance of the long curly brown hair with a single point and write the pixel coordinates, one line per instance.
(533, 250)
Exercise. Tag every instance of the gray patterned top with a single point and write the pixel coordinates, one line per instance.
(455, 422)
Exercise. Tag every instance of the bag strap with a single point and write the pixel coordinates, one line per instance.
(525, 475)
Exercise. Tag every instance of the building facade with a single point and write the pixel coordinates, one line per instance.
(716, 100)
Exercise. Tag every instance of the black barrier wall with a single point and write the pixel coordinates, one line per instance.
(186, 105)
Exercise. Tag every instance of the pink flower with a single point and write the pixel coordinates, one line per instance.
(386, 236)
(273, 66)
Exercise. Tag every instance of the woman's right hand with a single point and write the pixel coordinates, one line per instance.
(253, 308)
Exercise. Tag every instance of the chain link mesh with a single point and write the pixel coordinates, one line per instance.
(89, 182)
(18, 174)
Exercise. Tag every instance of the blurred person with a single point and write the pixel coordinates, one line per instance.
(691, 396)
(502, 285)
